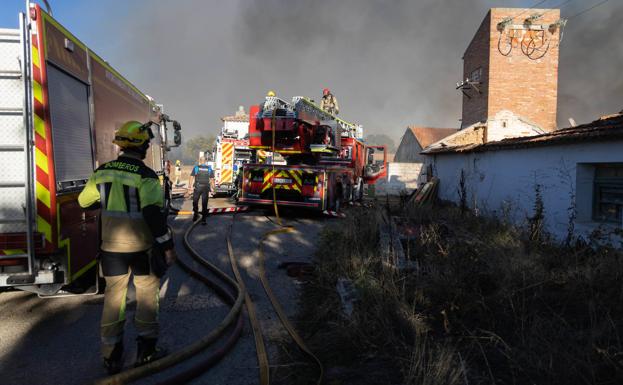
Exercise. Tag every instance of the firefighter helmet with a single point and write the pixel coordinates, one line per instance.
(270, 93)
(133, 134)
(326, 91)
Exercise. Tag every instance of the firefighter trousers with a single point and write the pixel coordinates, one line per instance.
(117, 269)
(203, 192)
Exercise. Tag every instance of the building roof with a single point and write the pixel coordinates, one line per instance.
(235, 118)
(240, 116)
(603, 129)
(428, 135)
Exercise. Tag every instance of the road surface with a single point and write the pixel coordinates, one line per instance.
(55, 340)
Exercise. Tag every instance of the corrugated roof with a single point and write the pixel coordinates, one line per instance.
(604, 128)
(428, 135)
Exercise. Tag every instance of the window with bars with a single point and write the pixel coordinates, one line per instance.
(608, 193)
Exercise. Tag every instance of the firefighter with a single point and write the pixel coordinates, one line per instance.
(178, 172)
(329, 102)
(201, 180)
(135, 240)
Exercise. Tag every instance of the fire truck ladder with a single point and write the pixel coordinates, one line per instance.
(17, 147)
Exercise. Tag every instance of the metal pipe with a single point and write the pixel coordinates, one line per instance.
(28, 127)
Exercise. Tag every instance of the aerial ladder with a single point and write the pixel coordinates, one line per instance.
(327, 162)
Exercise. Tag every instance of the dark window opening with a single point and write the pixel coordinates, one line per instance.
(608, 193)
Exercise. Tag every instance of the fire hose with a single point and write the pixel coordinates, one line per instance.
(196, 347)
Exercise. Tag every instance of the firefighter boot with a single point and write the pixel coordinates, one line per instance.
(114, 362)
(204, 219)
(147, 351)
(195, 217)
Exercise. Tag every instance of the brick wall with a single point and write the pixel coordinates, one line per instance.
(477, 57)
(527, 86)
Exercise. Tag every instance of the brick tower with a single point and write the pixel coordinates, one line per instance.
(512, 64)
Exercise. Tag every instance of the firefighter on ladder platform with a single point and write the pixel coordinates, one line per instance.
(329, 102)
(135, 240)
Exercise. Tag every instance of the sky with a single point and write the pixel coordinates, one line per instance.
(390, 63)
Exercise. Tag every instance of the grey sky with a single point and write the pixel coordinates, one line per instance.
(390, 62)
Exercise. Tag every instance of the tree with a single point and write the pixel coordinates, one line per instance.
(192, 147)
(381, 139)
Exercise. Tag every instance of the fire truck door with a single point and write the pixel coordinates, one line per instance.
(73, 164)
(375, 168)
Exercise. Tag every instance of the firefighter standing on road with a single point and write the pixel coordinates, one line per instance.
(201, 179)
(178, 172)
(135, 240)
(329, 102)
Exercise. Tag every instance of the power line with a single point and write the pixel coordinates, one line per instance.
(527, 9)
(558, 6)
(588, 9)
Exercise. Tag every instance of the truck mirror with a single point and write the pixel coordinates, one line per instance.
(177, 137)
(177, 126)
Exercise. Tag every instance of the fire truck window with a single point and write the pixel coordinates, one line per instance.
(71, 134)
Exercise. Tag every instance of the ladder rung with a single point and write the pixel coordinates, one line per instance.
(13, 256)
(12, 184)
(11, 74)
(11, 147)
(11, 110)
(7, 220)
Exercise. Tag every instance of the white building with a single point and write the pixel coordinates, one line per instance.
(406, 171)
(579, 171)
(236, 126)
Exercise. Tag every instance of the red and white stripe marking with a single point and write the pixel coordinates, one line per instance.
(218, 210)
(334, 214)
(222, 210)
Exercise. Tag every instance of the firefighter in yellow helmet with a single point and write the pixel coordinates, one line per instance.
(271, 93)
(178, 172)
(135, 240)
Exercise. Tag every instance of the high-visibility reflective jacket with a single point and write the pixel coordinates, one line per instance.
(131, 199)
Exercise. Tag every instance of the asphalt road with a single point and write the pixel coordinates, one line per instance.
(56, 340)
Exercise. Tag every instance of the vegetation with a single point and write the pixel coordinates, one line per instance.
(489, 304)
(381, 139)
(189, 151)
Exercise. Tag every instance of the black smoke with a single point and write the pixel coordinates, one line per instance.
(391, 63)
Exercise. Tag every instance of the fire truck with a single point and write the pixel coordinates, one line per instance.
(60, 104)
(231, 150)
(327, 163)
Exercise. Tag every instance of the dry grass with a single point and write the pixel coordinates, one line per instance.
(488, 306)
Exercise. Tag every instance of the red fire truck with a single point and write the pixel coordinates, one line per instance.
(326, 162)
(60, 104)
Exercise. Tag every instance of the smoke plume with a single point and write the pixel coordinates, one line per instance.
(390, 63)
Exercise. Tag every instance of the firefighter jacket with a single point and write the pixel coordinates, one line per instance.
(202, 173)
(329, 104)
(131, 199)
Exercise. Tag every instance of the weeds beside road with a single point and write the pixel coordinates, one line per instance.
(487, 305)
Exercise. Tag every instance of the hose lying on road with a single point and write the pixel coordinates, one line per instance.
(191, 350)
(275, 302)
